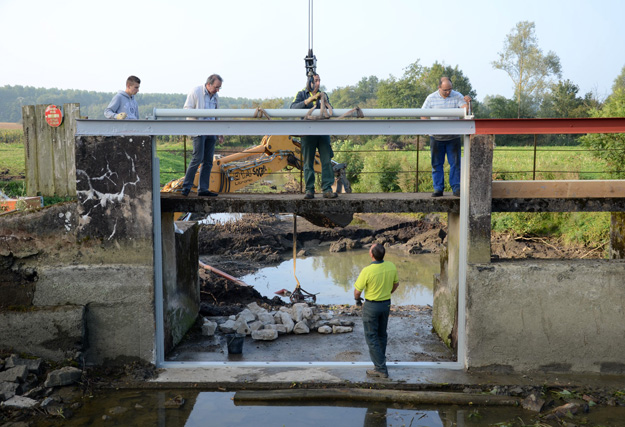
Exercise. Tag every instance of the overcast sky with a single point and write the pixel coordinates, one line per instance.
(258, 47)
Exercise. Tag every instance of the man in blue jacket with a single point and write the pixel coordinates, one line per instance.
(312, 143)
(123, 105)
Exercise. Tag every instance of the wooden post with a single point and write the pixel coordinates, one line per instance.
(49, 152)
(30, 149)
(617, 235)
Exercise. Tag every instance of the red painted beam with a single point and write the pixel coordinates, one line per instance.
(549, 126)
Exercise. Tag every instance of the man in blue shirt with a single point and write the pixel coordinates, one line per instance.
(123, 105)
(451, 145)
(202, 97)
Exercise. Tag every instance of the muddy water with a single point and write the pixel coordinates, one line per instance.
(149, 408)
(332, 275)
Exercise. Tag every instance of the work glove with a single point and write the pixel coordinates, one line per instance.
(313, 98)
(359, 301)
(120, 116)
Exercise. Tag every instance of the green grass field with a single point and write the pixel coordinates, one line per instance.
(509, 163)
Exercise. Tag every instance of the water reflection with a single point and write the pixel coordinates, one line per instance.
(332, 276)
(149, 408)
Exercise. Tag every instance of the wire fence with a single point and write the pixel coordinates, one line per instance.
(412, 167)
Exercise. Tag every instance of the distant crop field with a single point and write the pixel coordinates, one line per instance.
(10, 126)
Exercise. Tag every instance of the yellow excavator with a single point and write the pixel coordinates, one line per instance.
(274, 153)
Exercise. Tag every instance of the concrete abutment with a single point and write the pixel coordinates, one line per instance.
(95, 260)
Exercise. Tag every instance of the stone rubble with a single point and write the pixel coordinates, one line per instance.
(261, 324)
(20, 386)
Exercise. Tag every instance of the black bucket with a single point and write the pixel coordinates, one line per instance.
(235, 343)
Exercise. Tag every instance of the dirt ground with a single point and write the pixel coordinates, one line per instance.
(255, 241)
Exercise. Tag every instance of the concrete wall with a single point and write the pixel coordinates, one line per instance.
(94, 258)
(548, 315)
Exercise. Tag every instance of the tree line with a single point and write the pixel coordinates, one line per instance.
(536, 77)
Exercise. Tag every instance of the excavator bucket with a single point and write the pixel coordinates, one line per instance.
(341, 185)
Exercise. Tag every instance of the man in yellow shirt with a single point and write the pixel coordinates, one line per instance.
(378, 281)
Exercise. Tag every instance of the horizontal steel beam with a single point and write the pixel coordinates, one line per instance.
(549, 126)
(249, 113)
(273, 127)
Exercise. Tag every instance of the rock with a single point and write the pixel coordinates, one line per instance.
(533, 403)
(307, 313)
(228, 326)
(280, 328)
(33, 365)
(319, 324)
(241, 327)
(232, 317)
(325, 316)
(343, 245)
(287, 321)
(266, 318)
(265, 335)
(324, 330)
(208, 328)
(247, 315)
(335, 322)
(562, 411)
(255, 308)
(347, 323)
(302, 253)
(49, 401)
(516, 391)
(341, 329)
(64, 376)
(8, 390)
(18, 373)
(301, 328)
(255, 326)
(297, 311)
(19, 402)
(117, 410)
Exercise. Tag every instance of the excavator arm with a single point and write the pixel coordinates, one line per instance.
(275, 153)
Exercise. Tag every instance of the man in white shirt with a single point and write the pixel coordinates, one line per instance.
(441, 145)
(203, 97)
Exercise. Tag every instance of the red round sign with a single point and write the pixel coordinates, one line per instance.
(54, 116)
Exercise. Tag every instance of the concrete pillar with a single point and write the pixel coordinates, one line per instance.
(480, 163)
(445, 308)
(617, 236)
(181, 288)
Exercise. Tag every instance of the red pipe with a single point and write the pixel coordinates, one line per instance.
(222, 274)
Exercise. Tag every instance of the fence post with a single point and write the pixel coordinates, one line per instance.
(534, 168)
(417, 174)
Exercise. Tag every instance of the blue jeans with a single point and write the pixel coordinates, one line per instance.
(310, 144)
(375, 320)
(452, 149)
(203, 151)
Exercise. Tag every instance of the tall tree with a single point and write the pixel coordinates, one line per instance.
(530, 70)
(619, 82)
(611, 146)
(417, 83)
(563, 101)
